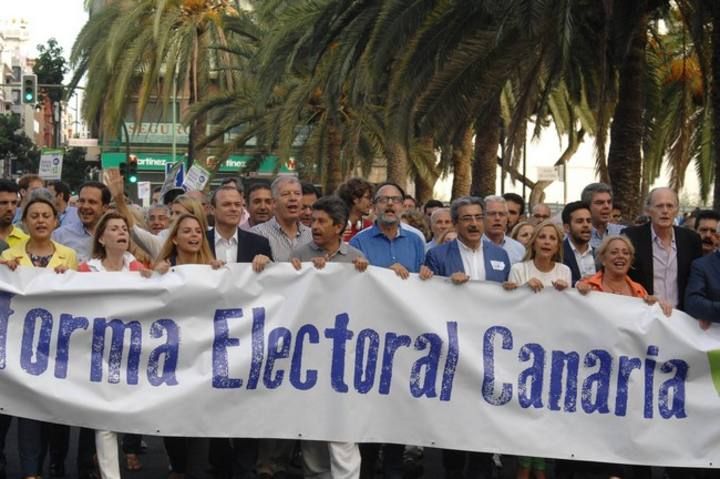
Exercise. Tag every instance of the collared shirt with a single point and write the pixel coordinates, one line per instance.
(585, 261)
(473, 260)
(15, 237)
(430, 245)
(665, 269)
(344, 254)
(406, 248)
(226, 249)
(75, 236)
(514, 248)
(70, 215)
(596, 238)
(280, 244)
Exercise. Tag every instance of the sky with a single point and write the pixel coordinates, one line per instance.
(63, 19)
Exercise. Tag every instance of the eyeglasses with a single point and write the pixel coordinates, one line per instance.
(389, 199)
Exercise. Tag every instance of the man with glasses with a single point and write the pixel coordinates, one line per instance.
(496, 220)
(386, 244)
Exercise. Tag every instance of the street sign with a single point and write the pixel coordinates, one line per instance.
(547, 173)
(83, 142)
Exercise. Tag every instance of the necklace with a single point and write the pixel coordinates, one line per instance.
(615, 289)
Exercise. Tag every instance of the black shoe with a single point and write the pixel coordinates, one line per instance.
(57, 469)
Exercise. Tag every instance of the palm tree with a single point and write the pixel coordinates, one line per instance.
(133, 49)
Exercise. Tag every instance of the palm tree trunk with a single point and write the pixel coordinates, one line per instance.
(397, 166)
(487, 142)
(199, 82)
(715, 85)
(425, 184)
(461, 160)
(334, 165)
(625, 157)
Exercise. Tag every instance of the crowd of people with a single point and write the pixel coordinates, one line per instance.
(584, 246)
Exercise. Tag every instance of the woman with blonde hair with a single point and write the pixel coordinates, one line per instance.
(542, 265)
(522, 232)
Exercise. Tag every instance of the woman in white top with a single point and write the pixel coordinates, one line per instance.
(542, 265)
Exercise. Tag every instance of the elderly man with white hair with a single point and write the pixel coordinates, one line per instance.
(496, 220)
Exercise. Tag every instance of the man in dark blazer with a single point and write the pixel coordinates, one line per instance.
(702, 296)
(227, 241)
(578, 254)
(663, 251)
(449, 259)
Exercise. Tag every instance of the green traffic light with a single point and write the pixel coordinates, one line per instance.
(28, 96)
(133, 179)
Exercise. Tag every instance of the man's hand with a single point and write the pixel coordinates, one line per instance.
(259, 262)
(217, 263)
(296, 263)
(704, 324)
(163, 266)
(459, 278)
(361, 264)
(400, 270)
(425, 273)
(319, 262)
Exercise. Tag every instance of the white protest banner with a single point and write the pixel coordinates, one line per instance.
(51, 164)
(340, 355)
(174, 174)
(196, 178)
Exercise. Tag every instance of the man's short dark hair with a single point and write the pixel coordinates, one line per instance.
(517, 199)
(105, 194)
(701, 215)
(8, 186)
(25, 180)
(353, 189)
(260, 185)
(388, 183)
(310, 189)
(226, 187)
(335, 208)
(410, 197)
(61, 188)
(432, 204)
(571, 208)
(233, 179)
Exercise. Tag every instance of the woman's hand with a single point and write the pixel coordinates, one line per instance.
(217, 263)
(163, 266)
(61, 269)
(559, 284)
(583, 288)
(535, 284)
(509, 286)
(11, 263)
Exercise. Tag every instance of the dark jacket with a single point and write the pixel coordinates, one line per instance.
(571, 262)
(249, 245)
(689, 248)
(702, 296)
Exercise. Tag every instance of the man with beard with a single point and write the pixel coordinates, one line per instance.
(706, 225)
(495, 224)
(516, 209)
(9, 233)
(578, 255)
(310, 195)
(93, 201)
(357, 195)
(386, 244)
(259, 205)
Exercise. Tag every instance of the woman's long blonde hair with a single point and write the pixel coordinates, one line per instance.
(169, 249)
(530, 250)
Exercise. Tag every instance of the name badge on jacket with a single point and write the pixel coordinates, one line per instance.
(497, 265)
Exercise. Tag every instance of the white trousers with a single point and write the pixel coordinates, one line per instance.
(108, 456)
(331, 460)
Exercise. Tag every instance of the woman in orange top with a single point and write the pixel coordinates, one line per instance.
(616, 254)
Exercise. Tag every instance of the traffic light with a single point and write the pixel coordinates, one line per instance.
(132, 169)
(29, 89)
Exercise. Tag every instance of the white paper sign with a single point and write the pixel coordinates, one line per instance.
(51, 164)
(196, 178)
(144, 193)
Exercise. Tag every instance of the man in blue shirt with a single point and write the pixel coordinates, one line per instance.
(93, 202)
(386, 244)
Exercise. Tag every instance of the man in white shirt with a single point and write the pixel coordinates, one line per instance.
(578, 255)
(496, 220)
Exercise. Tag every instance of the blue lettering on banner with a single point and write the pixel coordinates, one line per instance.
(311, 375)
(118, 328)
(5, 312)
(38, 365)
(221, 342)
(68, 325)
(168, 352)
